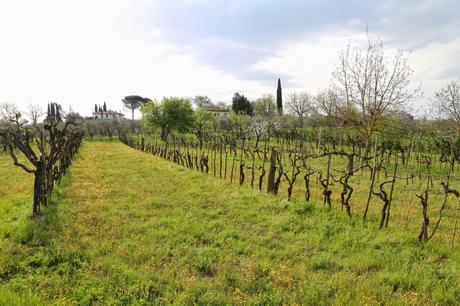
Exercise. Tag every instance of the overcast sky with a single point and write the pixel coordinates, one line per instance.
(84, 52)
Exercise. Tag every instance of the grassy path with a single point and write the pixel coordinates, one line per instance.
(129, 228)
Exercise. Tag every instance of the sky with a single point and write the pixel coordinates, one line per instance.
(85, 52)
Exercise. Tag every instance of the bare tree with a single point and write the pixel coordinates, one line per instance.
(300, 104)
(35, 112)
(365, 81)
(448, 101)
(202, 102)
(9, 112)
(327, 104)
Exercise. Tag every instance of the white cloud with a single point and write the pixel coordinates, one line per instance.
(437, 61)
(77, 53)
(309, 63)
(89, 51)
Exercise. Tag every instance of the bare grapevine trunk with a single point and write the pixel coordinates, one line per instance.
(271, 173)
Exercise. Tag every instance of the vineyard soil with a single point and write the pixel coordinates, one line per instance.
(126, 227)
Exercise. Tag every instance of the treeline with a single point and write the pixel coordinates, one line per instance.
(110, 127)
(369, 91)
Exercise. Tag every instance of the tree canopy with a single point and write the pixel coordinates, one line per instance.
(204, 121)
(172, 114)
(265, 106)
(241, 105)
(202, 102)
(134, 102)
(365, 80)
(300, 104)
(448, 101)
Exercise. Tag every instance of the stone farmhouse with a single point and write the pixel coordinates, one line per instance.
(106, 114)
(217, 111)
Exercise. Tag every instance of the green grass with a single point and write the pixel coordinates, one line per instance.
(129, 228)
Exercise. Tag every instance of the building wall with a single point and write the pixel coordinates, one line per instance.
(107, 116)
(219, 114)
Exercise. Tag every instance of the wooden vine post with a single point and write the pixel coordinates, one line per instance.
(371, 188)
(391, 191)
(454, 231)
(262, 168)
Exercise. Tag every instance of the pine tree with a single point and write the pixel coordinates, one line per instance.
(134, 102)
(240, 104)
(279, 98)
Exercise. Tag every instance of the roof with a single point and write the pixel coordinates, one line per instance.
(216, 109)
(108, 112)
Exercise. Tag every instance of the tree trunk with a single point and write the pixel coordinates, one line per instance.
(368, 132)
(164, 134)
(38, 188)
(271, 173)
(368, 145)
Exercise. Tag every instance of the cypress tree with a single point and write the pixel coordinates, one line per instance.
(279, 98)
(104, 107)
(95, 108)
(58, 113)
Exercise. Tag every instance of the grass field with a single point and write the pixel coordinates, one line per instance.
(129, 228)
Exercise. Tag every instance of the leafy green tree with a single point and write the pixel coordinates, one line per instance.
(204, 121)
(265, 106)
(241, 105)
(171, 114)
(134, 102)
